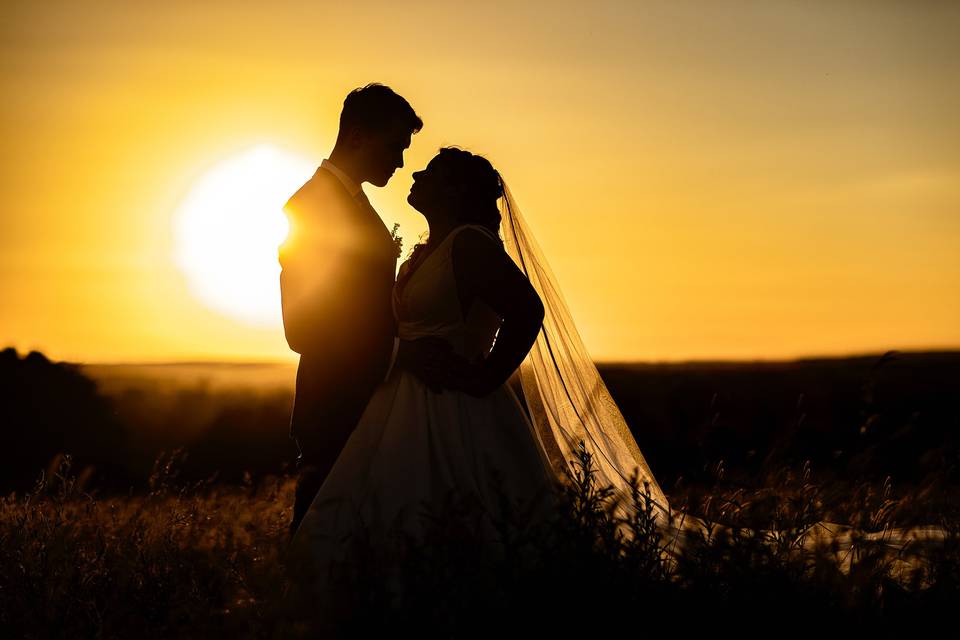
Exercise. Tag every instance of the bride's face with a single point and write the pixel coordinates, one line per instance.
(431, 193)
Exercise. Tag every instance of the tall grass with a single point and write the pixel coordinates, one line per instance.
(204, 559)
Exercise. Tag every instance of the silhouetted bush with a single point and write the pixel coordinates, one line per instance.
(50, 408)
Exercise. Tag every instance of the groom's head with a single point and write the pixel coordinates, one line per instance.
(375, 129)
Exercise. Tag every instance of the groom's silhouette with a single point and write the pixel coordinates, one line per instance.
(338, 266)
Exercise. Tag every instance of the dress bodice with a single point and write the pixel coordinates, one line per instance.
(428, 304)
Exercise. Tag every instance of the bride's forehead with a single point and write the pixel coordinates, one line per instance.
(438, 164)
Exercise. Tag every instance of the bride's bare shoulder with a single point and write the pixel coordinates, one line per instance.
(479, 258)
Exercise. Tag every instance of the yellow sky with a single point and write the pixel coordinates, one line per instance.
(708, 180)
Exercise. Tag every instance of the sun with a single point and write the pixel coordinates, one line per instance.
(228, 228)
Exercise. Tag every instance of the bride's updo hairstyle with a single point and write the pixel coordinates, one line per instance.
(478, 184)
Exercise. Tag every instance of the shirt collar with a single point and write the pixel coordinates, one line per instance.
(352, 187)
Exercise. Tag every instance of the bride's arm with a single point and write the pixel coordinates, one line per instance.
(484, 271)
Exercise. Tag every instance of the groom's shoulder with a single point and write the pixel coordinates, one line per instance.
(320, 184)
(321, 190)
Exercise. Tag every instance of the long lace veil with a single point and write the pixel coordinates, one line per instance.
(567, 399)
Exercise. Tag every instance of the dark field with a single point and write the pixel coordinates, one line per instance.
(852, 418)
(116, 542)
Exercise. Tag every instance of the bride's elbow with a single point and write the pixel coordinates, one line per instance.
(535, 308)
(537, 311)
(530, 315)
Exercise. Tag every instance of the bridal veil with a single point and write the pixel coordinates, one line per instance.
(567, 399)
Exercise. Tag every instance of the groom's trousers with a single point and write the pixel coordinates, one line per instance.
(325, 413)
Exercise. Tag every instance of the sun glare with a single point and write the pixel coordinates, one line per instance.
(228, 229)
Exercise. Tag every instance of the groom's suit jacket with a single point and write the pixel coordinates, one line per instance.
(338, 265)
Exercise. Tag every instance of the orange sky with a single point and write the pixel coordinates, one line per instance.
(708, 180)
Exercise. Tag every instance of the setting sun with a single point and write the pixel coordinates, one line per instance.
(228, 229)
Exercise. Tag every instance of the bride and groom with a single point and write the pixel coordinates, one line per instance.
(401, 390)
(401, 394)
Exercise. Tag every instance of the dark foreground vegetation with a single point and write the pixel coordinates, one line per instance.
(115, 542)
(191, 560)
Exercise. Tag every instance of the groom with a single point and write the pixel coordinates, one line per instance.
(338, 268)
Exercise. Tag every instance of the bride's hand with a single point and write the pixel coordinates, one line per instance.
(432, 360)
(473, 379)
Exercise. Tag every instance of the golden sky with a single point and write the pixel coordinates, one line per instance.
(708, 179)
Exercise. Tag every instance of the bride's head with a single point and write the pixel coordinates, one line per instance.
(458, 187)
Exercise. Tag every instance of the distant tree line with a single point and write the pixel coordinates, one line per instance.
(853, 418)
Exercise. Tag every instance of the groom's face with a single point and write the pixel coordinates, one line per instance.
(386, 152)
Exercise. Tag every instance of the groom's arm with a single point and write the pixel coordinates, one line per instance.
(310, 258)
(364, 301)
(303, 308)
(292, 298)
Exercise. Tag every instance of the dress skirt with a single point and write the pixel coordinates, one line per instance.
(414, 455)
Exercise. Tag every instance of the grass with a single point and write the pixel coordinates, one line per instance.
(205, 559)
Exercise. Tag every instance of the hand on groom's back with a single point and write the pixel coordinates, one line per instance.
(432, 360)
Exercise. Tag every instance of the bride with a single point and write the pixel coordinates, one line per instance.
(499, 307)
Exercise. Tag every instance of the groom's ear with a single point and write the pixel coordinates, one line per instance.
(351, 137)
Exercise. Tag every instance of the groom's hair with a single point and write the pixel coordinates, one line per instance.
(374, 107)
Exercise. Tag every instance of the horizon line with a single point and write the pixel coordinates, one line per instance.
(598, 362)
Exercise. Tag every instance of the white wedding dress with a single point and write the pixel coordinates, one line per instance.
(412, 446)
